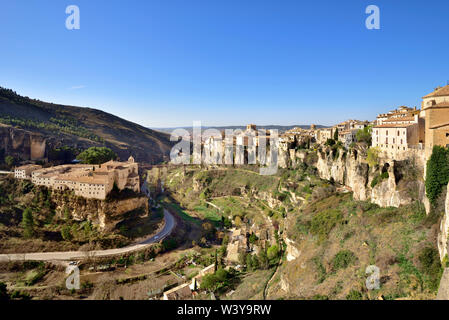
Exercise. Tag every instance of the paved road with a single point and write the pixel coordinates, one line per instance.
(78, 255)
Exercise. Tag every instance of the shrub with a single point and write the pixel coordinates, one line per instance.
(429, 259)
(273, 253)
(3, 292)
(354, 295)
(364, 135)
(377, 179)
(323, 222)
(437, 174)
(343, 259)
(372, 157)
(66, 233)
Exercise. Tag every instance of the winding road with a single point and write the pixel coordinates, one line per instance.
(169, 225)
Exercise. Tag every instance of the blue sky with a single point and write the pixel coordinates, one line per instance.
(170, 62)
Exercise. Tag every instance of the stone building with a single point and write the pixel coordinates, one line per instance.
(399, 132)
(24, 172)
(324, 134)
(88, 181)
(435, 107)
(347, 137)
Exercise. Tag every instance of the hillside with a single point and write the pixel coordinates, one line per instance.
(76, 127)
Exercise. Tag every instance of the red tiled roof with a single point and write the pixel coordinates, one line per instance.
(444, 91)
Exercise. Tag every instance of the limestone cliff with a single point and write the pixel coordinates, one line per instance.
(404, 185)
(103, 214)
(444, 229)
(22, 144)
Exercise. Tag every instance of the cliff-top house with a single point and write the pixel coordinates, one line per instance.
(435, 106)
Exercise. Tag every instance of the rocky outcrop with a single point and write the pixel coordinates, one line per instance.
(22, 144)
(351, 170)
(292, 252)
(345, 168)
(444, 230)
(103, 214)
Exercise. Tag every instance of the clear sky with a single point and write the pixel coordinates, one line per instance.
(226, 62)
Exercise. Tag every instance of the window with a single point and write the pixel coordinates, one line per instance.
(387, 132)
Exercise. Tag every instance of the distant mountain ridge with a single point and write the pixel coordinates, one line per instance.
(77, 127)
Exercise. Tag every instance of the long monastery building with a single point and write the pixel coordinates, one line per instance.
(88, 181)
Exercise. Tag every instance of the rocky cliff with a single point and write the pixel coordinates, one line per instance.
(103, 214)
(443, 235)
(396, 182)
(22, 144)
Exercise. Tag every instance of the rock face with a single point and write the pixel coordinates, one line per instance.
(103, 214)
(22, 144)
(351, 170)
(444, 229)
(443, 290)
(347, 169)
(292, 252)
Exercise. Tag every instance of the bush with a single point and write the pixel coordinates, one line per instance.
(364, 135)
(216, 281)
(323, 222)
(3, 292)
(354, 295)
(377, 179)
(343, 259)
(66, 233)
(372, 157)
(273, 253)
(429, 259)
(437, 173)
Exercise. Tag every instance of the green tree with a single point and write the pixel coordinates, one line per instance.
(28, 223)
(437, 173)
(273, 253)
(66, 233)
(3, 292)
(336, 135)
(252, 238)
(10, 161)
(372, 157)
(364, 135)
(263, 260)
(97, 155)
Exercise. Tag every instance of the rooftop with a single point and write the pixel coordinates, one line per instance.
(438, 92)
